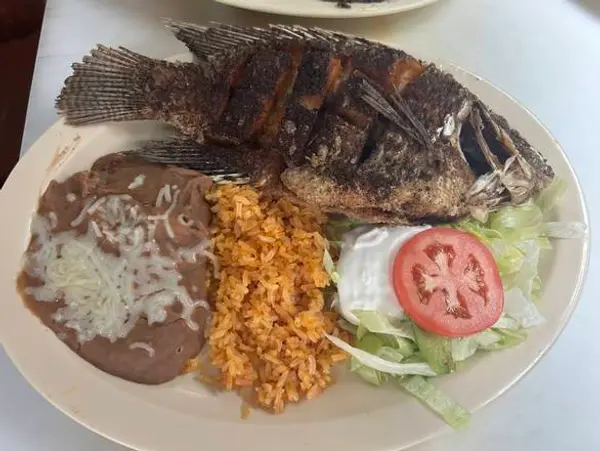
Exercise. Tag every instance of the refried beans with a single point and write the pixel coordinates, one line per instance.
(116, 266)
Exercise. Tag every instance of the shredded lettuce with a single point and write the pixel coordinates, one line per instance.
(376, 345)
(379, 364)
(521, 309)
(371, 375)
(329, 266)
(564, 230)
(337, 226)
(517, 236)
(370, 343)
(391, 354)
(488, 337)
(404, 346)
(507, 339)
(376, 322)
(505, 322)
(347, 326)
(361, 331)
(436, 350)
(552, 196)
(455, 415)
(463, 348)
(517, 223)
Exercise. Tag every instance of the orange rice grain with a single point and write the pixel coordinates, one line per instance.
(269, 322)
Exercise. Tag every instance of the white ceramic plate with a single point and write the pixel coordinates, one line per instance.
(320, 8)
(182, 414)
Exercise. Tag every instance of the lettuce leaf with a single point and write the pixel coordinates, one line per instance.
(552, 196)
(521, 309)
(391, 354)
(463, 348)
(347, 326)
(564, 230)
(371, 375)
(455, 415)
(329, 266)
(370, 343)
(383, 365)
(488, 337)
(507, 339)
(404, 346)
(376, 322)
(336, 227)
(436, 350)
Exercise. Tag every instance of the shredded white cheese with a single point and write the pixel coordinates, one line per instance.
(190, 255)
(96, 229)
(164, 194)
(203, 304)
(144, 346)
(105, 295)
(82, 215)
(96, 205)
(215, 263)
(137, 182)
(184, 221)
(164, 218)
(207, 322)
(53, 220)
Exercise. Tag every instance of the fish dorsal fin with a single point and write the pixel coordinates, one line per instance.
(218, 41)
(207, 42)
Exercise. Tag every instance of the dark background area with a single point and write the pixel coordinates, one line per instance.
(20, 24)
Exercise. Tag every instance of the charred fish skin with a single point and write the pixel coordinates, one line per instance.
(437, 107)
(336, 147)
(351, 125)
(317, 73)
(388, 67)
(253, 97)
(401, 182)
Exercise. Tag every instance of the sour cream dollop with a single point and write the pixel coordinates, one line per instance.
(365, 268)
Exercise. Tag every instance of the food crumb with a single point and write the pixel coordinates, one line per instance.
(191, 365)
(244, 410)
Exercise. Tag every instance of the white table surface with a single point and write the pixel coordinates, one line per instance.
(546, 53)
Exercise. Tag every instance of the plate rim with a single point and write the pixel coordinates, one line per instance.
(565, 314)
(356, 12)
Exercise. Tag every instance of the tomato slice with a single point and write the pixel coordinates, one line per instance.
(448, 283)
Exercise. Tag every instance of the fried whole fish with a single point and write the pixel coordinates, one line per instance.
(340, 122)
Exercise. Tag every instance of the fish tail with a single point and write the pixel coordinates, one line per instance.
(121, 85)
(106, 86)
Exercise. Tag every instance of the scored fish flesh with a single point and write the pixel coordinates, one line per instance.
(340, 122)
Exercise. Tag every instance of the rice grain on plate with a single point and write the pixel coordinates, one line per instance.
(267, 331)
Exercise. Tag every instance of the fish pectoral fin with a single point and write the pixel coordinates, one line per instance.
(191, 155)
